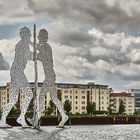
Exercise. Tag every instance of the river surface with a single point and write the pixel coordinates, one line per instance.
(84, 132)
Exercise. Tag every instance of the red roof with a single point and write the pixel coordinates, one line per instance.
(122, 94)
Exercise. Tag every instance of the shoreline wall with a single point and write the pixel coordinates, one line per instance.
(83, 121)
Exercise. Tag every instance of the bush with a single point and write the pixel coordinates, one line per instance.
(29, 114)
(101, 112)
(67, 106)
(14, 112)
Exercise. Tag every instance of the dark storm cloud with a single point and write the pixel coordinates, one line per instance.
(108, 15)
(3, 64)
(67, 34)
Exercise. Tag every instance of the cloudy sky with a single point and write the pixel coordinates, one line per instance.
(92, 40)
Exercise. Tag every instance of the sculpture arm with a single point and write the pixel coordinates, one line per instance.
(38, 56)
(32, 44)
(30, 55)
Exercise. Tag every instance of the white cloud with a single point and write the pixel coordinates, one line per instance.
(15, 11)
(105, 54)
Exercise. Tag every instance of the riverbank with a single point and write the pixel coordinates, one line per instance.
(96, 120)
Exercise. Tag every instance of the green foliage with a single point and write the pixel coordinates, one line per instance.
(77, 113)
(91, 107)
(121, 107)
(29, 114)
(109, 110)
(101, 112)
(51, 104)
(51, 108)
(88, 116)
(67, 106)
(14, 112)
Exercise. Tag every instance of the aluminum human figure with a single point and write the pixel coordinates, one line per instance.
(18, 78)
(45, 56)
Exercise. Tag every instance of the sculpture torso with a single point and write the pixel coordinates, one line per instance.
(21, 56)
(45, 56)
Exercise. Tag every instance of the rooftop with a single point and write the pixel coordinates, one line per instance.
(122, 94)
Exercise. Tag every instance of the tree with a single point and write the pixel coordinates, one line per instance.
(51, 108)
(91, 107)
(121, 107)
(109, 109)
(67, 106)
(14, 112)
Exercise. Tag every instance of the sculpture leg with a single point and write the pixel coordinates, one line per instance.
(42, 94)
(58, 104)
(8, 107)
(28, 97)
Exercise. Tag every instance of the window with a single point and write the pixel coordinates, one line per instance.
(76, 91)
(102, 107)
(83, 97)
(83, 112)
(76, 97)
(65, 91)
(76, 107)
(83, 102)
(83, 107)
(76, 102)
(66, 97)
(70, 97)
(45, 107)
(102, 97)
(83, 92)
(102, 102)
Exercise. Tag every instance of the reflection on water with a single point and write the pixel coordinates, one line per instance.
(94, 132)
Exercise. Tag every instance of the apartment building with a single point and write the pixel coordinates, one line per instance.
(128, 100)
(4, 96)
(99, 94)
(136, 93)
(78, 94)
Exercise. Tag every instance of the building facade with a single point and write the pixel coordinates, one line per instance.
(136, 93)
(78, 94)
(128, 102)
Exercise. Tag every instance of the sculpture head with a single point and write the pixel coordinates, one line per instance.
(25, 34)
(43, 36)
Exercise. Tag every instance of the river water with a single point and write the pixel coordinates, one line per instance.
(93, 132)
